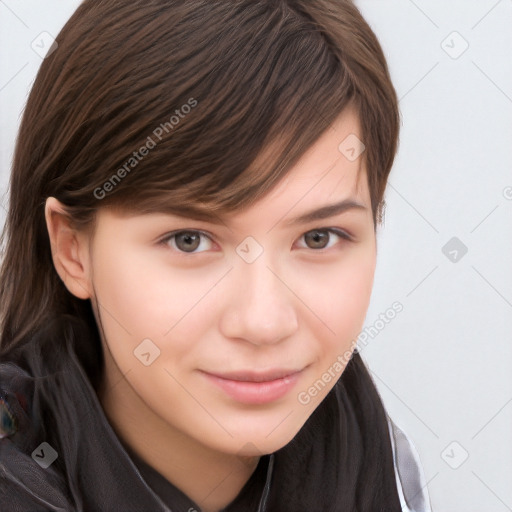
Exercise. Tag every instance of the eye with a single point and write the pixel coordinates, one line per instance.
(185, 241)
(319, 238)
(188, 241)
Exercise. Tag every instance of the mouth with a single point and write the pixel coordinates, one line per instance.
(252, 387)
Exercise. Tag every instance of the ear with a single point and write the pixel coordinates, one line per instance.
(70, 249)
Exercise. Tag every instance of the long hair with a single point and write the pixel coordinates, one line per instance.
(191, 106)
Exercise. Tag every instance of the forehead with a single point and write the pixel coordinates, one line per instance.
(333, 168)
(327, 173)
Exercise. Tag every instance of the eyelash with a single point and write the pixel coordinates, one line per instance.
(342, 234)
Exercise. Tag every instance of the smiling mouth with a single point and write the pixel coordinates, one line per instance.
(255, 376)
(256, 387)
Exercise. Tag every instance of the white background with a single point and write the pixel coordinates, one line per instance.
(443, 364)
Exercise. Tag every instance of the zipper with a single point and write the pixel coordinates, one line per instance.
(266, 490)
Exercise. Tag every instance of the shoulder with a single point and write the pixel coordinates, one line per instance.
(411, 483)
(25, 485)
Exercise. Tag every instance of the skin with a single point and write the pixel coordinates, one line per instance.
(298, 305)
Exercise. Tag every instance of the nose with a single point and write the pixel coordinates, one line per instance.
(259, 305)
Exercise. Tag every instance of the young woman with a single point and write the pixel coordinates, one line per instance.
(189, 257)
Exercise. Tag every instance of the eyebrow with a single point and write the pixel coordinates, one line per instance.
(325, 212)
(321, 213)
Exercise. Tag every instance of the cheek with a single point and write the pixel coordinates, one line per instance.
(339, 295)
(151, 301)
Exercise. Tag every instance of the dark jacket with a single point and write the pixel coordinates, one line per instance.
(35, 453)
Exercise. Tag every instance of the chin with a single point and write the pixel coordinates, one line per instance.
(258, 438)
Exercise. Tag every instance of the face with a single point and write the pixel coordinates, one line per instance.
(233, 333)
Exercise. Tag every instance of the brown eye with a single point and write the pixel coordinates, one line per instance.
(185, 241)
(317, 239)
(320, 238)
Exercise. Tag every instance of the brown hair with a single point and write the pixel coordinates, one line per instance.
(259, 72)
(208, 87)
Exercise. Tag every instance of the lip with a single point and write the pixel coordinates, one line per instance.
(256, 387)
